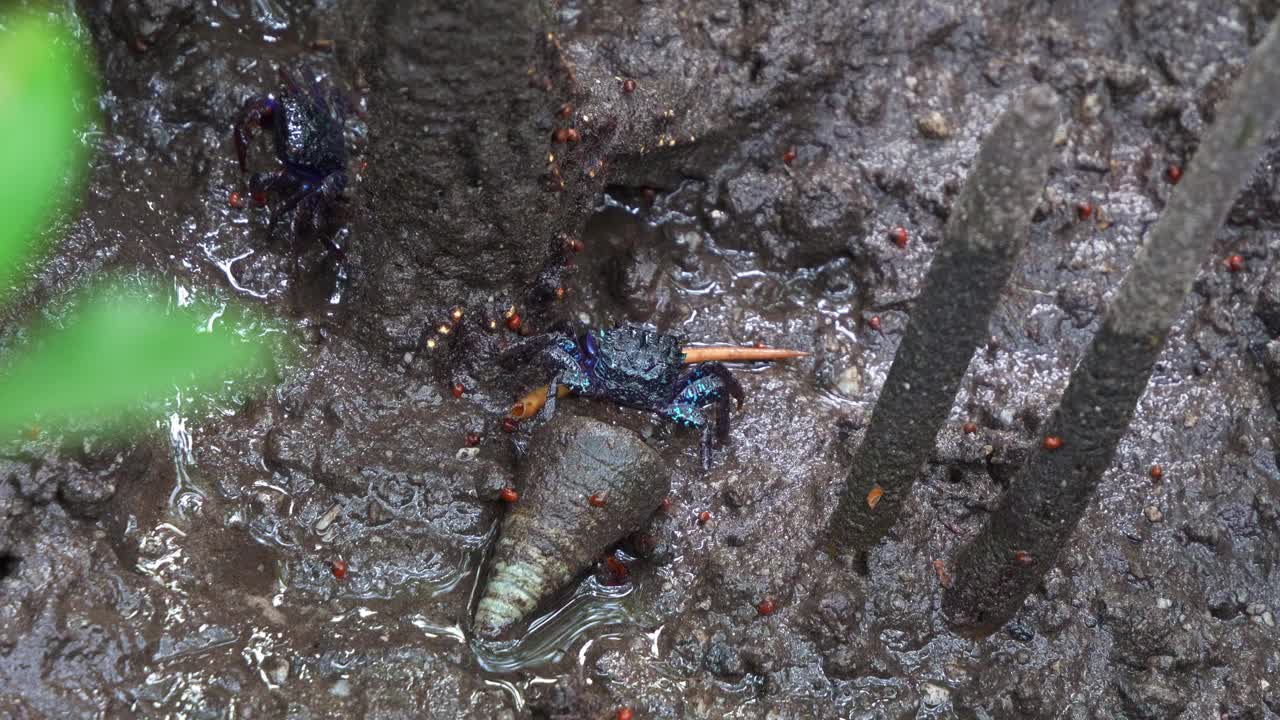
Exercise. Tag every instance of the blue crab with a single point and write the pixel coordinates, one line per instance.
(635, 366)
(308, 129)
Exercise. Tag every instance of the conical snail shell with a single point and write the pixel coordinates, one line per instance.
(555, 531)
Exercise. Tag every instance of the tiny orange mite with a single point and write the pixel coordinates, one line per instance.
(704, 517)
(1084, 210)
(597, 500)
(874, 322)
(873, 497)
(509, 425)
(473, 439)
(509, 495)
(235, 200)
(1174, 173)
(628, 86)
(1052, 442)
(789, 155)
(1023, 558)
(1235, 263)
(899, 236)
(1157, 472)
(339, 568)
(767, 606)
(513, 322)
(625, 714)
(969, 428)
(457, 390)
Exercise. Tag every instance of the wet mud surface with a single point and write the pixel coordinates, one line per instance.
(315, 552)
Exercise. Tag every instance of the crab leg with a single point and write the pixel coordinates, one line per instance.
(531, 403)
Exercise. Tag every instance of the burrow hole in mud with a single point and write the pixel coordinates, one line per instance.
(9, 565)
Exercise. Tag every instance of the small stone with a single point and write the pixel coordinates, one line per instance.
(341, 688)
(934, 695)
(849, 382)
(1269, 619)
(1255, 608)
(1153, 514)
(934, 126)
(467, 454)
(327, 518)
(1164, 603)
(276, 669)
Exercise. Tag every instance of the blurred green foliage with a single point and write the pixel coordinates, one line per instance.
(119, 345)
(43, 92)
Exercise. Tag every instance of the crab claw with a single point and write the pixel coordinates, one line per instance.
(531, 403)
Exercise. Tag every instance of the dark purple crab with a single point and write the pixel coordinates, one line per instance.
(308, 130)
(638, 367)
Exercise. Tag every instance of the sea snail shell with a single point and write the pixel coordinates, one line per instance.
(554, 531)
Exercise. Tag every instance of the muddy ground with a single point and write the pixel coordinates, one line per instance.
(743, 191)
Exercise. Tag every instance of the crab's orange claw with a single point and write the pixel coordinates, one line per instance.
(731, 353)
(530, 404)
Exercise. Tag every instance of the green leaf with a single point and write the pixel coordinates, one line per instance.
(43, 87)
(119, 349)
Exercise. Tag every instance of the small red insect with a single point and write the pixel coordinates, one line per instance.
(899, 236)
(1157, 472)
(576, 245)
(789, 155)
(509, 495)
(513, 322)
(1084, 210)
(767, 606)
(235, 200)
(969, 428)
(457, 390)
(1023, 558)
(1235, 263)
(560, 293)
(874, 323)
(473, 439)
(509, 424)
(1173, 173)
(260, 198)
(1052, 442)
(598, 500)
(628, 86)
(339, 569)
(666, 504)
(625, 714)
(704, 517)
(565, 135)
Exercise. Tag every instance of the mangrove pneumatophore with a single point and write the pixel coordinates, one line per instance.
(986, 229)
(1037, 515)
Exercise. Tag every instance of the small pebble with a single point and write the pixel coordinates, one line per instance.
(934, 695)
(1164, 603)
(1256, 608)
(934, 126)
(467, 454)
(1153, 514)
(1269, 619)
(327, 518)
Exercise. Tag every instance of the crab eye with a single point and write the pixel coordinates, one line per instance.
(589, 344)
